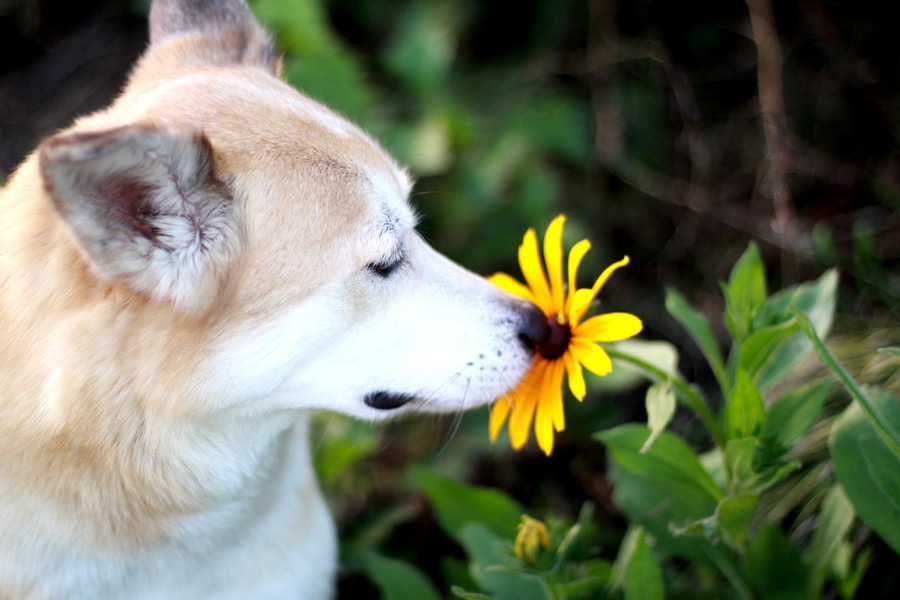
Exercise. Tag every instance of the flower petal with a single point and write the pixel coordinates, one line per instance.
(499, 412)
(549, 403)
(593, 357)
(611, 327)
(509, 284)
(530, 263)
(553, 258)
(581, 301)
(559, 415)
(575, 376)
(524, 403)
(575, 255)
(580, 305)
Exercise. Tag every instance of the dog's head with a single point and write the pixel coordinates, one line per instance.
(275, 232)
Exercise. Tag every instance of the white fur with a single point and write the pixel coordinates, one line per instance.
(185, 275)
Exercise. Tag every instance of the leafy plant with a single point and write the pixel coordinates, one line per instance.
(696, 522)
(704, 507)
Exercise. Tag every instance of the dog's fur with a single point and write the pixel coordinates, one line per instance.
(182, 277)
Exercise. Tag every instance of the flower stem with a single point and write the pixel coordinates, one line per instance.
(688, 394)
(879, 421)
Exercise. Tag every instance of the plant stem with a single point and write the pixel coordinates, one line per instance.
(688, 394)
(879, 421)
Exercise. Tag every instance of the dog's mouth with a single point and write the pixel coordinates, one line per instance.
(387, 400)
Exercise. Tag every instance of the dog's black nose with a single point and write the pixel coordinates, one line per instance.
(533, 327)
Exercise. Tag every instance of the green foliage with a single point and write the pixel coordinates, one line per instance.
(694, 509)
(866, 467)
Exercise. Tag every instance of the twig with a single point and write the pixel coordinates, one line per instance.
(771, 104)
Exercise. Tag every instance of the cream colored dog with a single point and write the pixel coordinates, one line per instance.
(183, 276)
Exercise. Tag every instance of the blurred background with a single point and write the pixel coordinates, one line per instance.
(675, 133)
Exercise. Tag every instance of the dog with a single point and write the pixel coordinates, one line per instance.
(184, 276)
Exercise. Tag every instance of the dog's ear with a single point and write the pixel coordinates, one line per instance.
(228, 24)
(146, 208)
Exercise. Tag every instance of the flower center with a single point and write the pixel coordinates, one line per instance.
(557, 339)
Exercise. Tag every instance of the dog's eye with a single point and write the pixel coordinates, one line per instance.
(385, 268)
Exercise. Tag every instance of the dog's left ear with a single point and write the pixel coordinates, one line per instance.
(146, 208)
(229, 31)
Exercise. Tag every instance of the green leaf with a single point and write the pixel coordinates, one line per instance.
(466, 595)
(661, 355)
(763, 353)
(593, 576)
(770, 357)
(457, 504)
(700, 331)
(866, 468)
(688, 394)
(668, 459)
(739, 457)
(774, 567)
(835, 518)
(643, 577)
(660, 403)
(745, 411)
(745, 293)
(663, 486)
(734, 515)
(762, 481)
(623, 557)
(890, 350)
(815, 299)
(397, 580)
(791, 415)
(489, 566)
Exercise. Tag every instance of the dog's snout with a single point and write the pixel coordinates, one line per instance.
(533, 326)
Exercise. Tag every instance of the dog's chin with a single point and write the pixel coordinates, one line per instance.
(387, 401)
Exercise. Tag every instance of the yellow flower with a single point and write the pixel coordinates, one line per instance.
(570, 343)
(531, 537)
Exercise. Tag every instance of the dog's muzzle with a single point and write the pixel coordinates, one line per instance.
(387, 400)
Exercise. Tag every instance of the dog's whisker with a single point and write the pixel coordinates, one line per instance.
(457, 421)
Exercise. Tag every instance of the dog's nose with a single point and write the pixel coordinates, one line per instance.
(533, 327)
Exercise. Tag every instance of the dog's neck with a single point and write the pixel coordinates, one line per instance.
(97, 460)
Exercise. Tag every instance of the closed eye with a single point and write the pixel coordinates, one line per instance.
(385, 268)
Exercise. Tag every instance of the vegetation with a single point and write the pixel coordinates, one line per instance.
(752, 142)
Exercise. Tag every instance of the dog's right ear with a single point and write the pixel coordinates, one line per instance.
(229, 25)
(146, 208)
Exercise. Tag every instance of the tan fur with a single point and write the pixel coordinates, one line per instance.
(137, 419)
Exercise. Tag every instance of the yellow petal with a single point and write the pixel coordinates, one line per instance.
(575, 255)
(530, 263)
(549, 409)
(553, 257)
(575, 376)
(593, 357)
(610, 327)
(524, 403)
(584, 302)
(499, 412)
(543, 426)
(559, 416)
(581, 301)
(509, 284)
